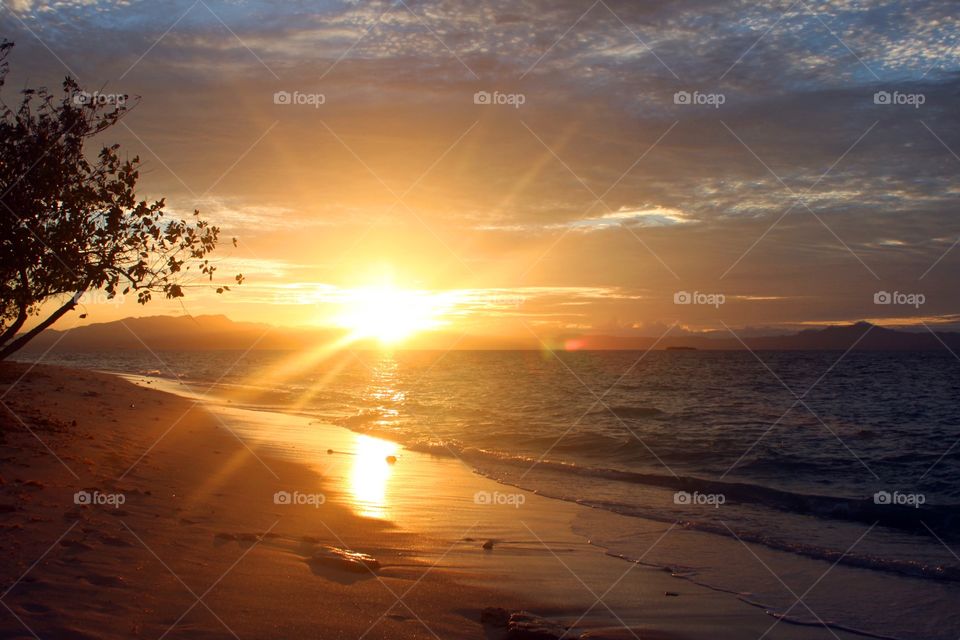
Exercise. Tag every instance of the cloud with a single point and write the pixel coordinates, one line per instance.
(643, 217)
(20, 6)
(48, 6)
(599, 180)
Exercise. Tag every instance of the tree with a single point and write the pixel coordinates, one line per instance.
(70, 224)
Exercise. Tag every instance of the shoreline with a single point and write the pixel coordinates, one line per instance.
(208, 487)
(693, 553)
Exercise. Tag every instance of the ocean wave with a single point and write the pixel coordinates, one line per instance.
(916, 520)
(628, 412)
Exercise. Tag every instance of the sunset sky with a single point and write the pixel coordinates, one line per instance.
(584, 198)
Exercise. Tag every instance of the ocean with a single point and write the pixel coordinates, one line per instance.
(821, 486)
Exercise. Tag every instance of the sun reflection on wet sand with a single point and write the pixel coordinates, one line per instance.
(370, 476)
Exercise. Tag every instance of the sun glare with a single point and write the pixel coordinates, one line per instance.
(370, 474)
(389, 314)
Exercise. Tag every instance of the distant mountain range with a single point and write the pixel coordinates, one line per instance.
(186, 333)
(862, 336)
(193, 333)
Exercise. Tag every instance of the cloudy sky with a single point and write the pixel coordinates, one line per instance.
(570, 165)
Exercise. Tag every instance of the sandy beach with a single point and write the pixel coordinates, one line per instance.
(133, 512)
(198, 548)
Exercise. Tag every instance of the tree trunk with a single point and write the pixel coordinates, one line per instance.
(11, 331)
(17, 344)
(24, 295)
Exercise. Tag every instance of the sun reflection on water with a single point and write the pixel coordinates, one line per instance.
(382, 395)
(370, 476)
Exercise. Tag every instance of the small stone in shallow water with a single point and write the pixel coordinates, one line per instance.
(488, 545)
(526, 626)
(345, 559)
(249, 537)
(522, 625)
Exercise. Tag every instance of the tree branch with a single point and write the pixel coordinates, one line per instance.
(17, 344)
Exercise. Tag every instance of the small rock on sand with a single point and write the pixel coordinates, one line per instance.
(523, 625)
(488, 545)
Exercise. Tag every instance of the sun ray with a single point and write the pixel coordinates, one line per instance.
(390, 314)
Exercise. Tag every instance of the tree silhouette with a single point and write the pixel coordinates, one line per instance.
(71, 224)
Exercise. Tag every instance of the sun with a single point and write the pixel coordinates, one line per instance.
(387, 313)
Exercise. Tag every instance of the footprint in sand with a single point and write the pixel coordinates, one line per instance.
(35, 607)
(76, 545)
(398, 617)
(114, 541)
(105, 581)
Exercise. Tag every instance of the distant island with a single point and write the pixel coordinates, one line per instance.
(212, 332)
